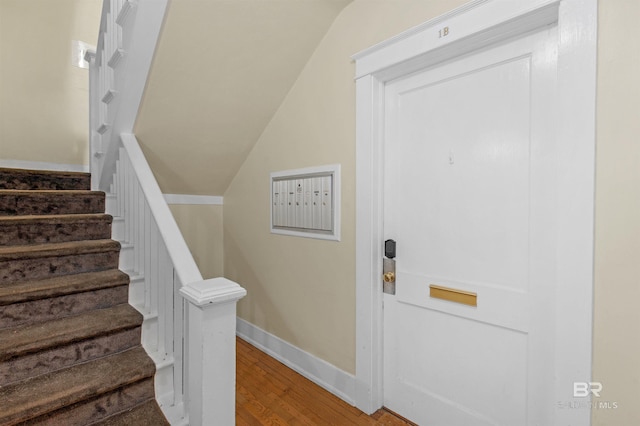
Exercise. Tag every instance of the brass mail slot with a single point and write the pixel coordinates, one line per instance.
(453, 295)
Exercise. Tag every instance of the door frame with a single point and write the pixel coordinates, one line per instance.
(477, 24)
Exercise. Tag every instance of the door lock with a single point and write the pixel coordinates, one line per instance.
(388, 276)
(389, 268)
(390, 249)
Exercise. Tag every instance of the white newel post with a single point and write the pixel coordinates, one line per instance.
(211, 351)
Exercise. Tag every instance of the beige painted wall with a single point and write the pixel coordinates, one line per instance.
(616, 353)
(220, 72)
(299, 289)
(201, 227)
(43, 97)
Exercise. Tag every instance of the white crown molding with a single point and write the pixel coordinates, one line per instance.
(483, 20)
(212, 200)
(418, 29)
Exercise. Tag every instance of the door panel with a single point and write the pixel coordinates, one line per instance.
(454, 373)
(470, 200)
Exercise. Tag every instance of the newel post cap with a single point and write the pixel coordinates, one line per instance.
(212, 292)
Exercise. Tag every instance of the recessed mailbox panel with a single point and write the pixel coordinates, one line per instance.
(305, 202)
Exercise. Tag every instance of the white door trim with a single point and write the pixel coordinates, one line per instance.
(477, 24)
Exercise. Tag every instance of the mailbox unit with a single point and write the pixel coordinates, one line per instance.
(306, 202)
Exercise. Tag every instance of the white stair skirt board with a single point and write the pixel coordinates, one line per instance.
(325, 375)
(212, 200)
(43, 165)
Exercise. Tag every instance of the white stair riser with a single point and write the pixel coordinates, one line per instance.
(136, 291)
(126, 258)
(164, 384)
(111, 204)
(150, 334)
(117, 229)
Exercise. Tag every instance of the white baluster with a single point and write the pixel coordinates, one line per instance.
(139, 228)
(178, 341)
(154, 271)
(125, 198)
(149, 248)
(165, 278)
(130, 201)
(119, 191)
(168, 309)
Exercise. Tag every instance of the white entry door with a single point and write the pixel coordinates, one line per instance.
(470, 199)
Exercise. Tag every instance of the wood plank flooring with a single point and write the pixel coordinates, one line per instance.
(270, 393)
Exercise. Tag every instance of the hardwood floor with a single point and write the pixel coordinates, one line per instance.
(270, 393)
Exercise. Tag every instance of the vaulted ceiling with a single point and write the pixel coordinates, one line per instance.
(221, 70)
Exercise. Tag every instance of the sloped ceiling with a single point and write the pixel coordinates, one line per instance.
(222, 68)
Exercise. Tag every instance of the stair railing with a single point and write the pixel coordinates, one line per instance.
(118, 72)
(189, 323)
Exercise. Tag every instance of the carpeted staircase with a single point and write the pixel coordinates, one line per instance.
(70, 350)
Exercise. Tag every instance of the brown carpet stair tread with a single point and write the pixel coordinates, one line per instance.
(42, 174)
(48, 392)
(45, 193)
(26, 291)
(28, 179)
(58, 249)
(23, 340)
(147, 414)
(39, 229)
(14, 202)
(70, 344)
(59, 218)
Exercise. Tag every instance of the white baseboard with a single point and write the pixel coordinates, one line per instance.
(325, 375)
(193, 199)
(42, 165)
